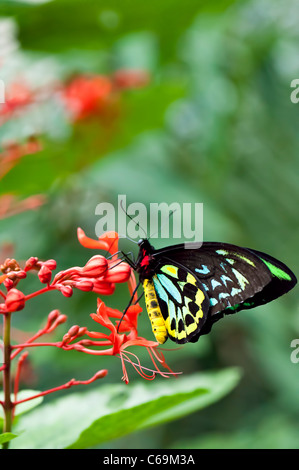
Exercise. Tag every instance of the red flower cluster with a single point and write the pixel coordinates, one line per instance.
(83, 96)
(123, 333)
(99, 275)
(92, 95)
(119, 341)
(87, 95)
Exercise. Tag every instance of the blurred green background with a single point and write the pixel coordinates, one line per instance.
(215, 124)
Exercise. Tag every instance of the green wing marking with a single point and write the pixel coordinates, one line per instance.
(276, 271)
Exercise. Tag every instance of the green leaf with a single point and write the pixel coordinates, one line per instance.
(6, 437)
(88, 419)
(99, 24)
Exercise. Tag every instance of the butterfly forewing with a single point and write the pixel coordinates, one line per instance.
(183, 302)
(282, 278)
(235, 278)
(229, 274)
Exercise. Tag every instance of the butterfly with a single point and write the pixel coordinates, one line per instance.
(188, 290)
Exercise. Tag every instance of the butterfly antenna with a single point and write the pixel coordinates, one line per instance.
(170, 215)
(130, 217)
(128, 238)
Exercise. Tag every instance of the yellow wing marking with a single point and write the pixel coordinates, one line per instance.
(169, 269)
(194, 318)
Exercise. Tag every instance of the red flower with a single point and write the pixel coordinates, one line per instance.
(120, 342)
(123, 333)
(108, 241)
(87, 95)
(98, 275)
(117, 271)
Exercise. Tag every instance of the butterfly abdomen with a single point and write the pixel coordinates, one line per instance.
(154, 312)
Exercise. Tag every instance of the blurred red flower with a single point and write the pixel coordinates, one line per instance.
(86, 95)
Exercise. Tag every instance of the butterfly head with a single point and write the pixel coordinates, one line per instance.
(145, 246)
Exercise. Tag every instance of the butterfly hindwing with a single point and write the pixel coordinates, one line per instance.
(183, 301)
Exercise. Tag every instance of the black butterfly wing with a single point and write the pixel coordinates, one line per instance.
(283, 279)
(234, 278)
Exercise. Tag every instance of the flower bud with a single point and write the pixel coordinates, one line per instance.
(71, 273)
(21, 274)
(103, 288)
(45, 274)
(53, 315)
(118, 273)
(8, 283)
(95, 267)
(82, 331)
(31, 262)
(60, 319)
(16, 275)
(67, 291)
(56, 321)
(71, 333)
(101, 374)
(85, 285)
(10, 264)
(51, 264)
(73, 330)
(15, 300)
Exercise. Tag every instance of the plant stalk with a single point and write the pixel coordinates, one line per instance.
(8, 405)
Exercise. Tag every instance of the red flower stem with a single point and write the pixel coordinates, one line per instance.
(7, 404)
(100, 374)
(43, 331)
(66, 347)
(39, 292)
(18, 373)
(107, 352)
(98, 343)
(20, 347)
